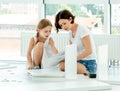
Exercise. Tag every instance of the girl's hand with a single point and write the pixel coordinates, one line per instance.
(51, 42)
(30, 67)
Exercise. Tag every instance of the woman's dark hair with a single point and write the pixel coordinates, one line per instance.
(63, 14)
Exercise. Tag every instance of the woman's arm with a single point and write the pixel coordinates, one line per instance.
(51, 42)
(29, 58)
(88, 48)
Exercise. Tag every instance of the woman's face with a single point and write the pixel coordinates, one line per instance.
(45, 32)
(65, 24)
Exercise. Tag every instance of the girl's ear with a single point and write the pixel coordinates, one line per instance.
(38, 30)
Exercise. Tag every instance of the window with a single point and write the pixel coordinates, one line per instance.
(90, 15)
(17, 16)
(115, 18)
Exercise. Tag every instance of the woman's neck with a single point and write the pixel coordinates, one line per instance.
(74, 27)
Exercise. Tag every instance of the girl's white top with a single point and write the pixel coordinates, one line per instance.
(49, 59)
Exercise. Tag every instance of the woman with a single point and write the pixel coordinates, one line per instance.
(80, 35)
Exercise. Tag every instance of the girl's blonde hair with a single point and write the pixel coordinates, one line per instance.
(42, 24)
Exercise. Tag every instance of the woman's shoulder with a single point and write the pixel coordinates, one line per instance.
(80, 26)
(82, 30)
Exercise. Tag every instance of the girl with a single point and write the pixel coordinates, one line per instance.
(42, 41)
(86, 56)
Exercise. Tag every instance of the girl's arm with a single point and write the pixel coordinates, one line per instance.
(29, 58)
(88, 48)
(51, 42)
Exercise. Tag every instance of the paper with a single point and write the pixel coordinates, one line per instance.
(46, 73)
(54, 60)
(70, 61)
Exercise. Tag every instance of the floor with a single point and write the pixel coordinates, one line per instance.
(14, 71)
(12, 76)
(113, 78)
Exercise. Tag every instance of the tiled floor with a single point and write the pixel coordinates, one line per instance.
(13, 76)
(114, 88)
(16, 77)
(113, 77)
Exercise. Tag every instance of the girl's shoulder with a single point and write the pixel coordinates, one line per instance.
(50, 38)
(33, 40)
(49, 41)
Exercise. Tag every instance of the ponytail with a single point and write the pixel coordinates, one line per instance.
(37, 37)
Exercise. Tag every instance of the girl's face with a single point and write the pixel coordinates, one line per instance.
(45, 32)
(65, 24)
